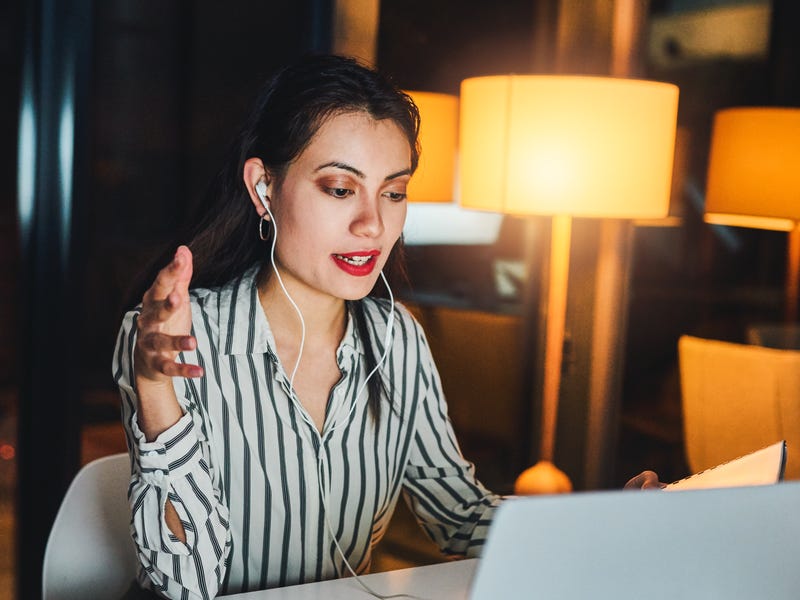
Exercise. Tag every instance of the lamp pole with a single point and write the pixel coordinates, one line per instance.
(793, 274)
(560, 239)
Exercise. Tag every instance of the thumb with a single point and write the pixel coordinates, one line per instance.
(184, 267)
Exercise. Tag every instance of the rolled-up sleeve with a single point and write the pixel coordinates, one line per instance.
(440, 486)
(174, 467)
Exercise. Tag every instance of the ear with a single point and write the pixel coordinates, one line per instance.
(254, 173)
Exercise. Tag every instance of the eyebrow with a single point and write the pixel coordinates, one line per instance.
(359, 174)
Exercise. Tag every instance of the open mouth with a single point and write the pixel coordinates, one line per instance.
(358, 264)
(356, 260)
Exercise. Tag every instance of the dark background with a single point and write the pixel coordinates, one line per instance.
(161, 88)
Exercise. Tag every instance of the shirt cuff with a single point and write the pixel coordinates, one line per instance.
(172, 454)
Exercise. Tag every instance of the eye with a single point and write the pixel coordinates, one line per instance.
(339, 192)
(395, 196)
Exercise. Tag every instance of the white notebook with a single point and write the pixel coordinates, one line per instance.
(762, 467)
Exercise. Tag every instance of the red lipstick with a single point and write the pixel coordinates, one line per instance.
(358, 264)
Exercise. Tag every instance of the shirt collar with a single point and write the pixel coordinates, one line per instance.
(244, 328)
(350, 340)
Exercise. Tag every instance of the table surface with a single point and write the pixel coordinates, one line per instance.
(445, 581)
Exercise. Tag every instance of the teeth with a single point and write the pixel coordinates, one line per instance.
(354, 260)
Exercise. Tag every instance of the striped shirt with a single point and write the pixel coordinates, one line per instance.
(253, 480)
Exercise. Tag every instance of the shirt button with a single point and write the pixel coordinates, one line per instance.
(159, 473)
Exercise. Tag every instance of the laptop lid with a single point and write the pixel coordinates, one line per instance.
(732, 543)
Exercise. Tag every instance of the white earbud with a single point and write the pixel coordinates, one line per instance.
(261, 190)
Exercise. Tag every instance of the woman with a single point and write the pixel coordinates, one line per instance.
(274, 409)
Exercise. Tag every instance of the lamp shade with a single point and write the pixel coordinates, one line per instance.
(754, 168)
(572, 145)
(434, 178)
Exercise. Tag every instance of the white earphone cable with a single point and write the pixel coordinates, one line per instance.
(292, 395)
(387, 341)
(320, 454)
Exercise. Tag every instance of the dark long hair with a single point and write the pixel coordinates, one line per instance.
(289, 110)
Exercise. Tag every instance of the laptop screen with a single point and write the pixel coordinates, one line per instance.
(732, 543)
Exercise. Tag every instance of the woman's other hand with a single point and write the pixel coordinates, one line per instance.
(646, 480)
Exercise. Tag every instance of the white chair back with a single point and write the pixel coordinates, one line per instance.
(90, 553)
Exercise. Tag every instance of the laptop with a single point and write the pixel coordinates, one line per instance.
(731, 543)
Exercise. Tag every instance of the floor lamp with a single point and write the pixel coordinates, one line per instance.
(565, 147)
(754, 179)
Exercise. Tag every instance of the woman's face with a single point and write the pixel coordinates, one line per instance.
(341, 207)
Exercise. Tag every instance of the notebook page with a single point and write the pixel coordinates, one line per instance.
(762, 467)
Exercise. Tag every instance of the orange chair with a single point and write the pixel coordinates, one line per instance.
(738, 398)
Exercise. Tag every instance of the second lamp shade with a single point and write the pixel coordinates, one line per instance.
(753, 173)
(438, 138)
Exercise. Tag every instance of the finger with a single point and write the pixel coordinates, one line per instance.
(163, 284)
(649, 481)
(634, 483)
(155, 312)
(161, 342)
(175, 276)
(645, 479)
(653, 485)
(174, 369)
(162, 311)
(184, 256)
(155, 365)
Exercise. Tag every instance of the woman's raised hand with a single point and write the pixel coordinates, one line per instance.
(165, 325)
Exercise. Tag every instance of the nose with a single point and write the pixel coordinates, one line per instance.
(368, 221)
